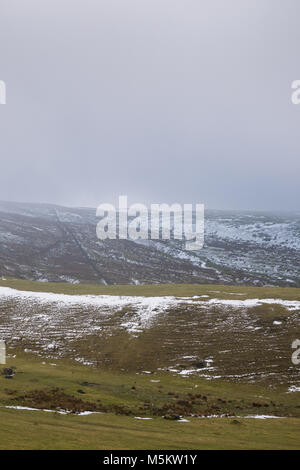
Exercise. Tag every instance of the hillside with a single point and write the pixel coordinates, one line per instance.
(54, 243)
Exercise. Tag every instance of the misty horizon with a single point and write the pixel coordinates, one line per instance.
(162, 101)
(94, 208)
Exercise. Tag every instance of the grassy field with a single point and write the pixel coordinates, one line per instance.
(26, 430)
(140, 374)
(222, 291)
(123, 397)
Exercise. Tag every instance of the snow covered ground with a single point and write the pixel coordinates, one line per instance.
(52, 243)
(234, 338)
(145, 308)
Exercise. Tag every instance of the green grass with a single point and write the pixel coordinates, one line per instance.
(41, 430)
(219, 291)
(185, 330)
(115, 387)
(38, 430)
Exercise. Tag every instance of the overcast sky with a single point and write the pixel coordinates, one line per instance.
(161, 100)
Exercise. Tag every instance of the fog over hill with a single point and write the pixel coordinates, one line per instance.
(54, 243)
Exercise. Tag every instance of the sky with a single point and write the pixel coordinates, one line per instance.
(164, 101)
